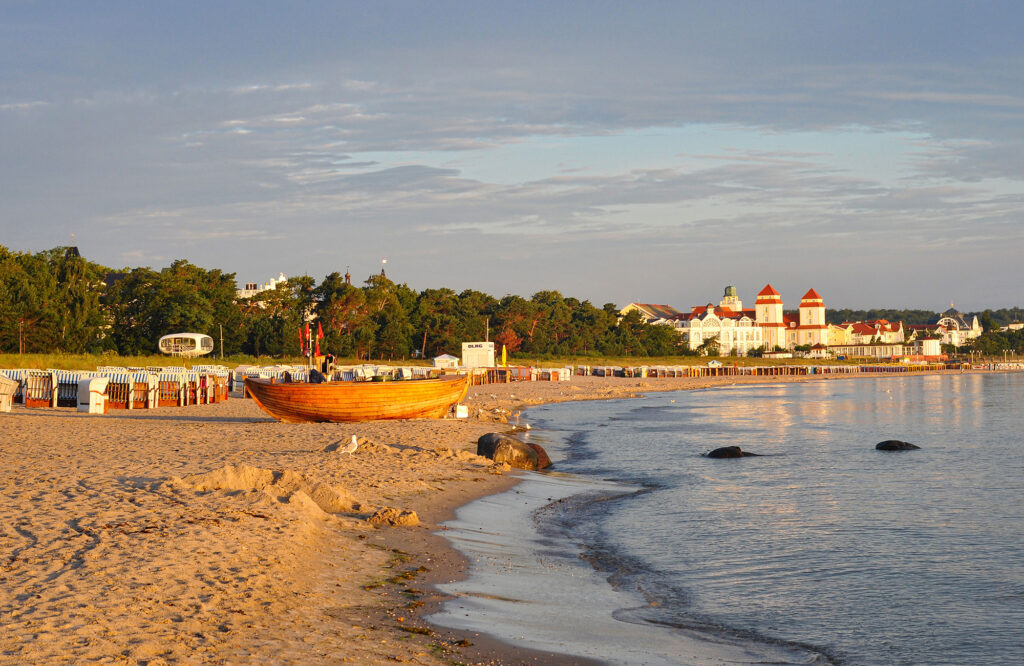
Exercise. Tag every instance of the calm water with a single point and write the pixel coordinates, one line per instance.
(867, 557)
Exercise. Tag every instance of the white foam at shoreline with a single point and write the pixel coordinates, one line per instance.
(536, 592)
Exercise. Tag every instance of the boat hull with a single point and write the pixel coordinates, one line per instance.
(349, 402)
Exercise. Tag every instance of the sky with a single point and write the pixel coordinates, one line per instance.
(616, 152)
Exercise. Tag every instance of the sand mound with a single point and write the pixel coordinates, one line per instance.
(286, 485)
(376, 447)
(447, 453)
(365, 445)
(387, 515)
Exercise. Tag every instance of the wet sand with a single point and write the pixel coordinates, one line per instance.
(214, 534)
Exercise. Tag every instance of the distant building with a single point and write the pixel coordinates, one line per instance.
(478, 354)
(951, 327)
(817, 351)
(734, 328)
(927, 349)
(253, 288)
(653, 313)
(786, 331)
(838, 334)
(873, 330)
(740, 330)
(812, 329)
(771, 318)
(446, 361)
(958, 330)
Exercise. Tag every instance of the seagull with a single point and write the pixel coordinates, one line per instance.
(350, 447)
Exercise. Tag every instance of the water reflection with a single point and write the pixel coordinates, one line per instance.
(920, 546)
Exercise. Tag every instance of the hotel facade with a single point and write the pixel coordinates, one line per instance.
(736, 330)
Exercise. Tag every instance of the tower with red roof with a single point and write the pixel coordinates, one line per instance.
(813, 329)
(768, 314)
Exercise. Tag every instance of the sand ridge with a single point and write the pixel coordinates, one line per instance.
(207, 533)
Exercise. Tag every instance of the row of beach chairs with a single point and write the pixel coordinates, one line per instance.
(119, 388)
(720, 370)
(351, 373)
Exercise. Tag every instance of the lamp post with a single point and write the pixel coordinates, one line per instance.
(21, 338)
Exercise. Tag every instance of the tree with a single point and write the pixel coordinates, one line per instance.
(589, 326)
(130, 303)
(475, 311)
(660, 340)
(625, 338)
(987, 323)
(709, 347)
(436, 314)
(394, 331)
(30, 308)
(79, 285)
(344, 315)
(517, 321)
(553, 320)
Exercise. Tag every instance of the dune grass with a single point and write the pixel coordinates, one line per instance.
(92, 361)
(633, 361)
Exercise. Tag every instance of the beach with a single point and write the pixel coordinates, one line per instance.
(214, 534)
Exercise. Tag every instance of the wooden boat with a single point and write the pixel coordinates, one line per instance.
(345, 402)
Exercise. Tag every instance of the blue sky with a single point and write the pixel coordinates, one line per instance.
(613, 151)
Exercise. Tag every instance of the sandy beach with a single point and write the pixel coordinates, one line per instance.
(213, 534)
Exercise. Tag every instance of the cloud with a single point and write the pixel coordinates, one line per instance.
(23, 106)
(686, 138)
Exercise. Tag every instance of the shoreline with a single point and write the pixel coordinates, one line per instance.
(213, 533)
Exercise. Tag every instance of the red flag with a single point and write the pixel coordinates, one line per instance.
(319, 332)
(309, 339)
(302, 343)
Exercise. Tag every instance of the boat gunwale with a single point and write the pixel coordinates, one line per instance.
(431, 405)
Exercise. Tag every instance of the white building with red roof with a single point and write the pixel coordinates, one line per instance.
(872, 330)
(812, 329)
(771, 318)
(740, 331)
(734, 328)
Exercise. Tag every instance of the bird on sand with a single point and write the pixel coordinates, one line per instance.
(350, 447)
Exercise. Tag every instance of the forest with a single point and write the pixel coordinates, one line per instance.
(57, 301)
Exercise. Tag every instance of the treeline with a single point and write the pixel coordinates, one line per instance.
(908, 317)
(988, 319)
(995, 342)
(57, 301)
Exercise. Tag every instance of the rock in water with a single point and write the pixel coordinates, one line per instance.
(729, 452)
(895, 445)
(542, 456)
(500, 447)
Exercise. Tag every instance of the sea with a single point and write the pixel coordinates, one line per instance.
(638, 549)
